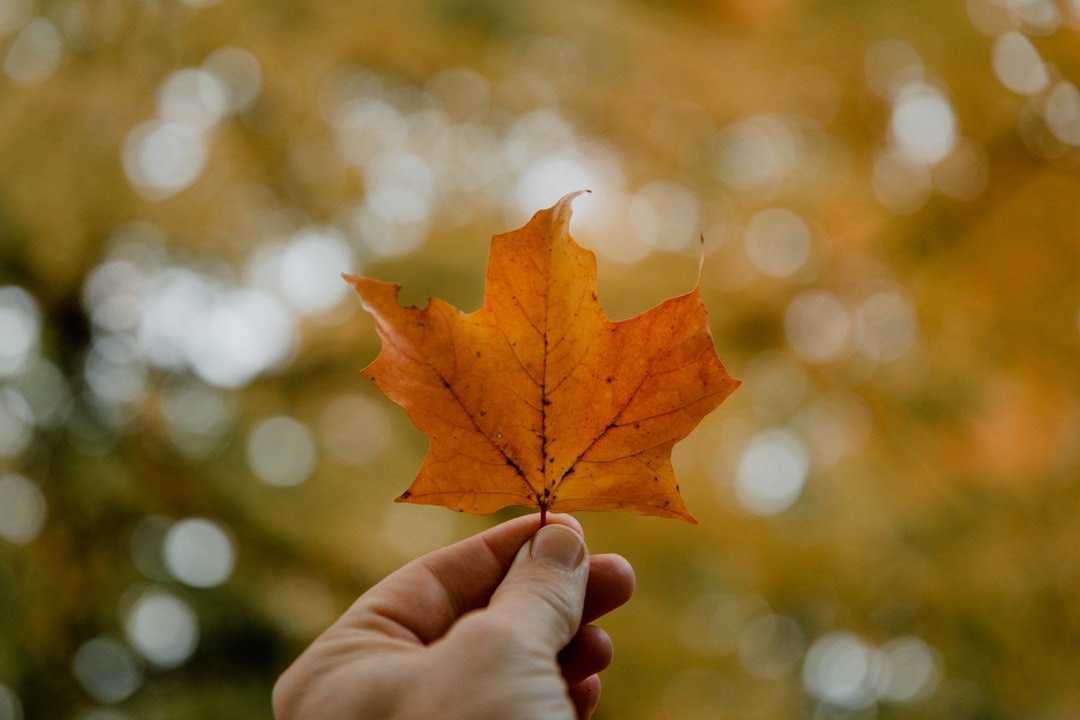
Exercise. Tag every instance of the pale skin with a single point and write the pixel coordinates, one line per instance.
(495, 627)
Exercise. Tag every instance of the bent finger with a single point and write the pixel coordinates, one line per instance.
(590, 652)
(611, 584)
(586, 695)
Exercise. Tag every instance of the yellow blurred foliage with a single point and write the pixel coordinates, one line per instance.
(194, 480)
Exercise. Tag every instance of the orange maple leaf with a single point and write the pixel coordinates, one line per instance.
(537, 399)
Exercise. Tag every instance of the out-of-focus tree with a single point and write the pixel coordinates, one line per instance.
(194, 481)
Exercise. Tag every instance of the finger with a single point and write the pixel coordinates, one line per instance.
(585, 696)
(418, 602)
(543, 593)
(588, 653)
(611, 584)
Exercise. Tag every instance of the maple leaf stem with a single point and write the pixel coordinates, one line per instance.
(543, 515)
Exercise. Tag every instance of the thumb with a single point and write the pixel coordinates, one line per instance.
(543, 593)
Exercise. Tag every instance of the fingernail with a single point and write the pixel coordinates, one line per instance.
(559, 547)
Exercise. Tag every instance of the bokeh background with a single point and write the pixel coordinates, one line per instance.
(194, 480)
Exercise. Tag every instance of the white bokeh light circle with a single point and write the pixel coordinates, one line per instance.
(198, 552)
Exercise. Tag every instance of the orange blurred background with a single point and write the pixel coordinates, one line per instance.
(194, 480)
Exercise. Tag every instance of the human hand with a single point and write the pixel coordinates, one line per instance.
(494, 627)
